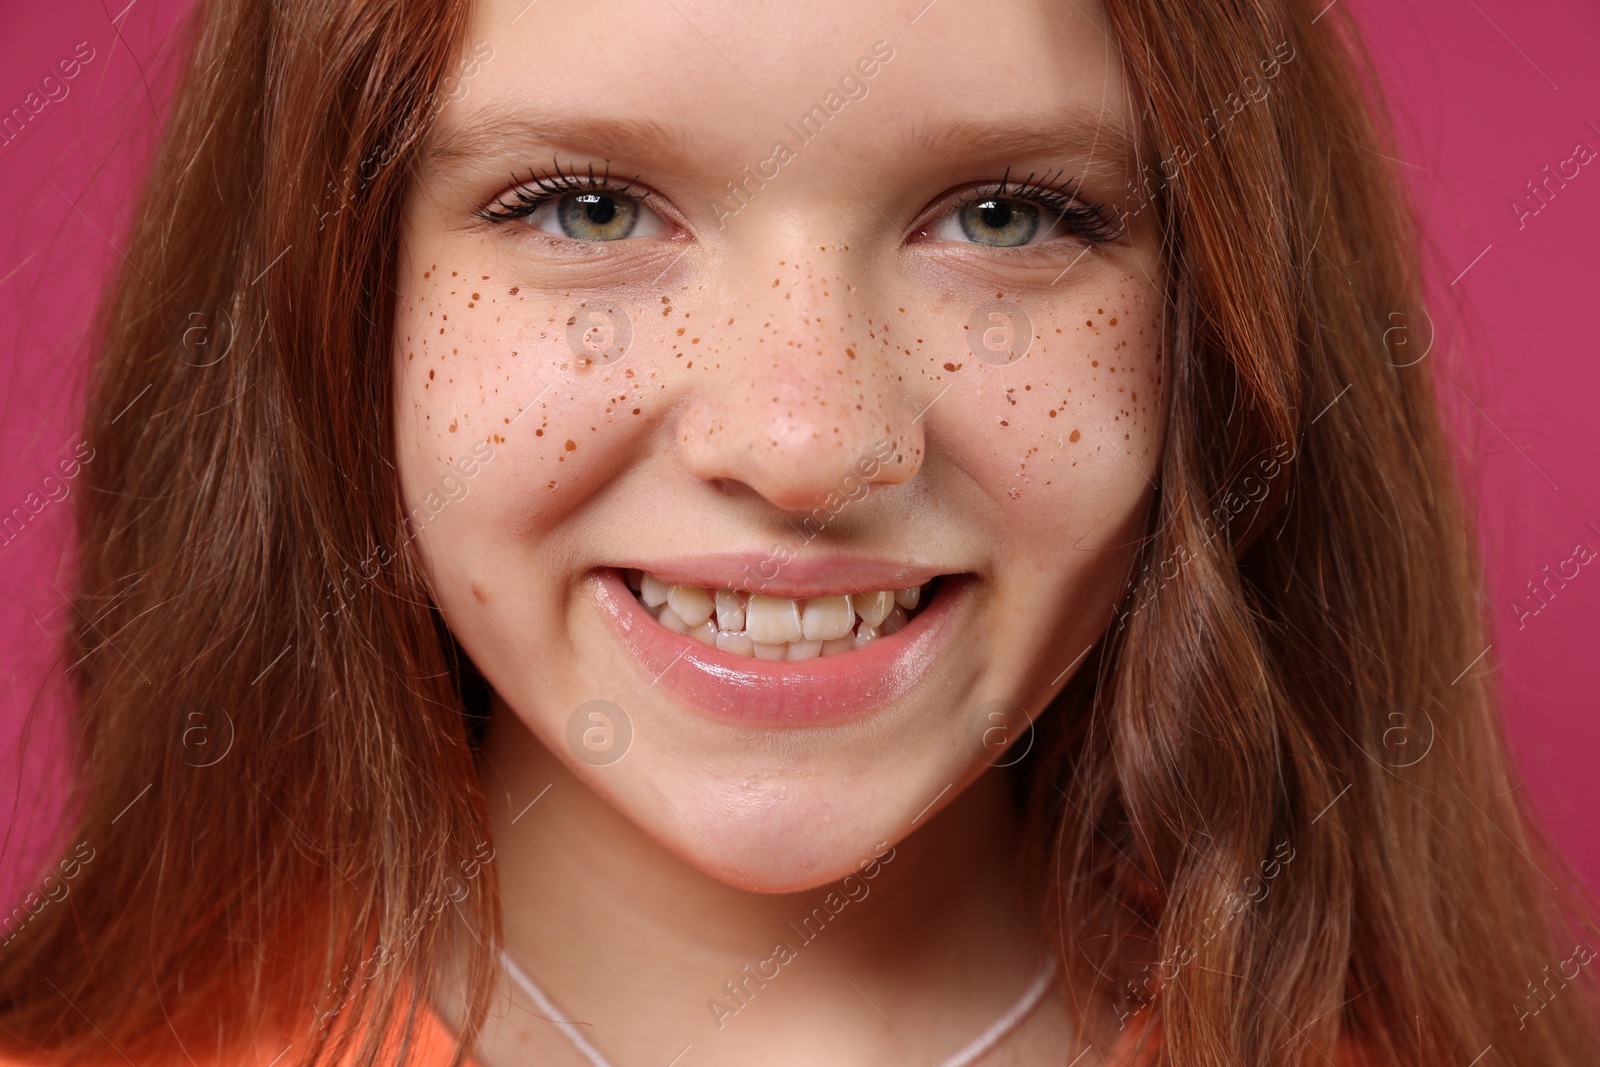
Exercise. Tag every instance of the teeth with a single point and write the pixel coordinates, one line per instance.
(730, 611)
(692, 604)
(653, 591)
(772, 620)
(776, 628)
(827, 618)
(872, 607)
(738, 644)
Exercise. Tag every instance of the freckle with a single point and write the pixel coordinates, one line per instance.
(452, 274)
(1094, 362)
(1113, 320)
(410, 356)
(427, 273)
(1099, 311)
(1075, 435)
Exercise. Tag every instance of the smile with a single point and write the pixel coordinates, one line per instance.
(843, 643)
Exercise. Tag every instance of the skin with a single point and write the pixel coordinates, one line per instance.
(773, 346)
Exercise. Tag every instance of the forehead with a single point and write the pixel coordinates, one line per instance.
(708, 83)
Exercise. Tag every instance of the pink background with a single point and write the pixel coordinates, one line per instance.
(1487, 94)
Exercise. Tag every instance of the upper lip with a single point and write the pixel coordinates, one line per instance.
(797, 578)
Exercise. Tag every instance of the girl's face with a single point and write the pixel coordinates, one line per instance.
(729, 299)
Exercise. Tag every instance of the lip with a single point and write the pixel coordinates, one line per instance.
(817, 692)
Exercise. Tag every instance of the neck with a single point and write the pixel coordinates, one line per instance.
(934, 936)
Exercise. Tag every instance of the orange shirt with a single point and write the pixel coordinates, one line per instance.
(433, 1048)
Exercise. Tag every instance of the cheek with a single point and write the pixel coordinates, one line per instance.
(1073, 431)
(545, 381)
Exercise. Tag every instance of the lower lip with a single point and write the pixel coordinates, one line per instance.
(814, 692)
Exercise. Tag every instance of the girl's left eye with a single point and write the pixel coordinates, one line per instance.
(1028, 214)
(995, 222)
(586, 208)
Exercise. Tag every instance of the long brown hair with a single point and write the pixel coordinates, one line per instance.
(1286, 817)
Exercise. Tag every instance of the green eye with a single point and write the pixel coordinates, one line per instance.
(597, 216)
(998, 222)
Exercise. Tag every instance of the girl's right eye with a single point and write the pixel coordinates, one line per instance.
(583, 208)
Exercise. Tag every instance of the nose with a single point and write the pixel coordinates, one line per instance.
(806, 402)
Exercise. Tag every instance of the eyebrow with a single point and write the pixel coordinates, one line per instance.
(1098, 137)
(490, 131)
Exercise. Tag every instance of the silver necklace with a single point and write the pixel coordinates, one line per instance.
(977, 1048)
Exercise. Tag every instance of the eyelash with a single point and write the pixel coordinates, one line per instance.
(529, 194)
(1090, 222)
